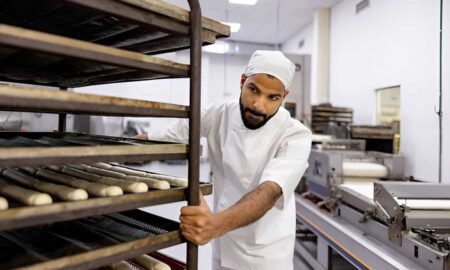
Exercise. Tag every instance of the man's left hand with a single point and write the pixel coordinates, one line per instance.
(198, 224)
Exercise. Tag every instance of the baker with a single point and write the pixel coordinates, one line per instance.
(258, 155)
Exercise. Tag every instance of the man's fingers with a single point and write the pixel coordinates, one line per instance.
(188, 236)
(194, 225)
(194, 210)
(188, 220)
(195, 239)
(191, 237)
(194, 221)
(190, 229)
(190, 210)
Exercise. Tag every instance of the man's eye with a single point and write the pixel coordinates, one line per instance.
(275, 98)
(253, 90)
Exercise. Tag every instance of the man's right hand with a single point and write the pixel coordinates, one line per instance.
(143, 136)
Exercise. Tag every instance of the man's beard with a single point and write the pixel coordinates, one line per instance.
(250, 125)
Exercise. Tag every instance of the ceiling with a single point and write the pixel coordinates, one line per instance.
(268, 22)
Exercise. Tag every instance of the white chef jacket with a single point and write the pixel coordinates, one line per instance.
(240, 160)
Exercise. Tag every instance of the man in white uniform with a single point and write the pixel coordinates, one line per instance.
(258, 155)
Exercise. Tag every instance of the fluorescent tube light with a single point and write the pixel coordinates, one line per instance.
(243, 2)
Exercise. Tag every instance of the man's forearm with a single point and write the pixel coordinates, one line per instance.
(199, 225)
(250, 208)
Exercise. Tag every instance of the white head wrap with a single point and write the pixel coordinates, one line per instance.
(273, 63)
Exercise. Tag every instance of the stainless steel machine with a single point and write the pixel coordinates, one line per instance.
(359, 204)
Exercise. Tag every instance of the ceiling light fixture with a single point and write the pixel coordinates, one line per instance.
(234, 27)
(243, 2)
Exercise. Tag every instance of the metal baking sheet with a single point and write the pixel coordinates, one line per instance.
(64, 241)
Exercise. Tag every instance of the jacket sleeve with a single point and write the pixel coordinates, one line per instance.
(289, 164)
(178, 131)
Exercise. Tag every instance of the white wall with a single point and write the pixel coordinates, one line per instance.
(316, 43)
(392, 43)
(224, 76)
(290, 46)
(296, 90)
(305, 35)
(446, 90)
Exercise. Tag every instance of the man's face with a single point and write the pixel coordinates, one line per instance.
(261, 96)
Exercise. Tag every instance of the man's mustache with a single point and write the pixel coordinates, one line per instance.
(255, 112)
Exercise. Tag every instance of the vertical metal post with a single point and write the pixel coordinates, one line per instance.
(194, 119)
(62, 118)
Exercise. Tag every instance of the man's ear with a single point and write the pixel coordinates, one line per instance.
(286, 92)
(243, 78)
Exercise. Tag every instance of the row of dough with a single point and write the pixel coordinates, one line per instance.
(145, 261)
(37, 186)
